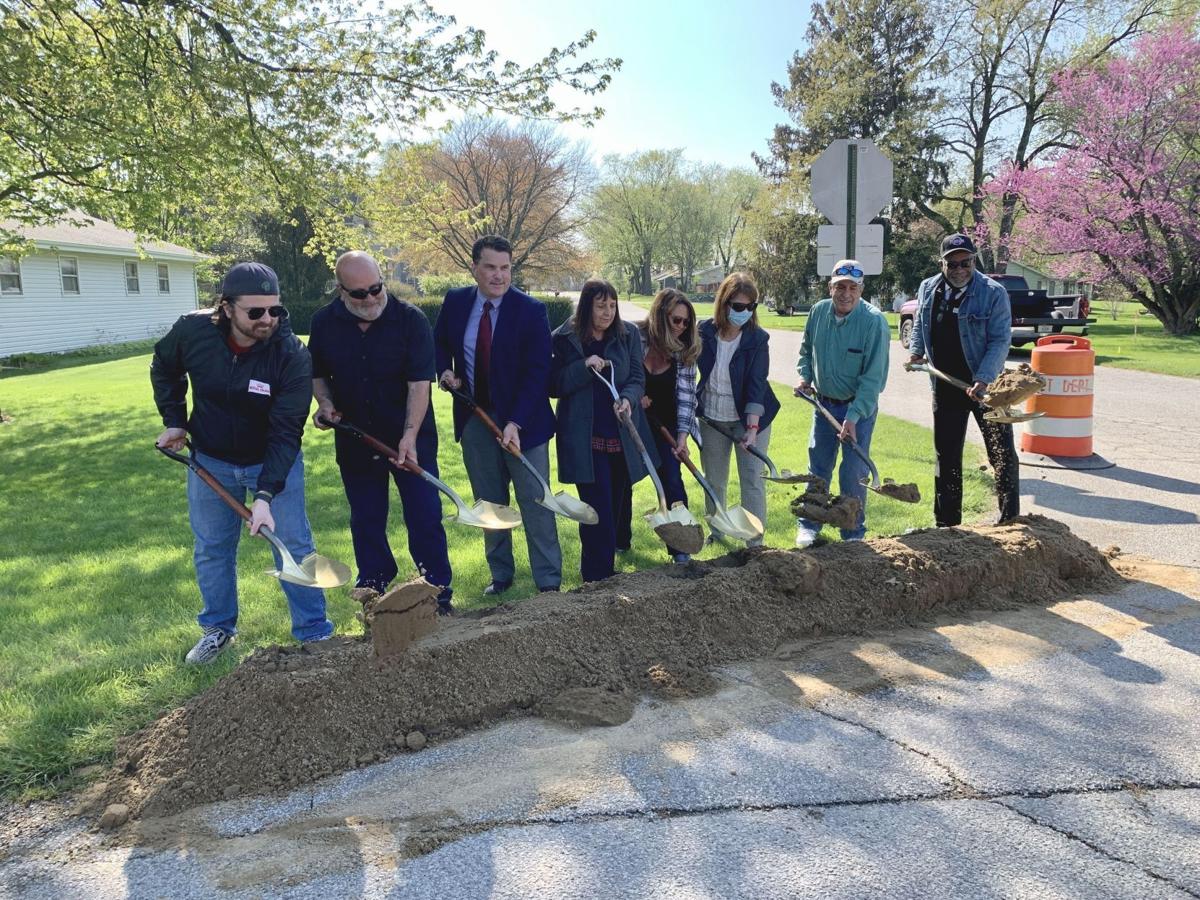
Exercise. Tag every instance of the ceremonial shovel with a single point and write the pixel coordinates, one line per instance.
(1002, 414)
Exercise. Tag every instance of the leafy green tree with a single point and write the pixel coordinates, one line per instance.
(135, 110)
(781, 240)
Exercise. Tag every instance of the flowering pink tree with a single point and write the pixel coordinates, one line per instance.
(1123, 204)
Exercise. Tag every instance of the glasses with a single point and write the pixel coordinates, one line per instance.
(362, 293)
(961, 264)
(679, 320)
(742, 307)
(852, 271)
(254, 313)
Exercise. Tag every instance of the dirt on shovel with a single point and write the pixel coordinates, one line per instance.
(1014, 386)
(682, 538)
(907, 493)
(841, 512)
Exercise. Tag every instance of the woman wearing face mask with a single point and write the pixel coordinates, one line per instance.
(595, 450)
(734, 393)
(672, 346)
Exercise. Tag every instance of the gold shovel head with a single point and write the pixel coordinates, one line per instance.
(1008, 416)
(736, 522)
(489, 516)
(315, 571)
(571, 507)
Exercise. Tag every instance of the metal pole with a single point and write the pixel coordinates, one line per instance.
(851, 198)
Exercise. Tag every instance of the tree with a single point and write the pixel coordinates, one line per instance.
(486, 176)
(782, 239)
(734, 194)
(631, 212)
(695, 223)
(1121, 203)
(133, 109)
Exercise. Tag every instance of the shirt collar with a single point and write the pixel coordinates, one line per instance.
(480, 299)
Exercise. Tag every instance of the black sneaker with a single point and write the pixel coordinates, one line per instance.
(444, 609)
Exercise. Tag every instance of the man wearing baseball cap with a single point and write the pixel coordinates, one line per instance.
(843, 364)
(964, 327)
(251, 382)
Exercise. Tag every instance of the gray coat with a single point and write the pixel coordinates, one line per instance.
(572, 382)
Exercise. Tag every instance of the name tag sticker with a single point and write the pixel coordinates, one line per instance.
(260, 387)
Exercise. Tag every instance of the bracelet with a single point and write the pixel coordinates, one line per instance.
(752, 428)
(264, 495)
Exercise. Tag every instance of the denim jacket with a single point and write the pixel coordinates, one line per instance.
(984, 325)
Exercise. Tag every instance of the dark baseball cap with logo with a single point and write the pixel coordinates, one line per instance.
(954, 242)
(249, 279)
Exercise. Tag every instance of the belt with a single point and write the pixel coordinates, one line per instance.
(825, 399)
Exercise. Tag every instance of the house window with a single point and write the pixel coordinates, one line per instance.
(68, 268)
(10, 276)
(132, 284)
(1039, 285)
(164, 278)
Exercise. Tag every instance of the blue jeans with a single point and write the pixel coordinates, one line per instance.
(823, 447)
(218, 529)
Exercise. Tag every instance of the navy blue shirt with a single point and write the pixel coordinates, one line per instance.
(369, 371)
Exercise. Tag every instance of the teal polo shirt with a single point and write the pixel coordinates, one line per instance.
(848, 358)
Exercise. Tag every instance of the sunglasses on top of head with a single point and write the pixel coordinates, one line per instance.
(852, 271)
(254, 313)
(738, 306)
(362, 293)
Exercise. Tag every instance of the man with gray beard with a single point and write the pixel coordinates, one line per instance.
(373, 362)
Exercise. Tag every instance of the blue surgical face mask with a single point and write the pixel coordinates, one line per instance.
(740, 318)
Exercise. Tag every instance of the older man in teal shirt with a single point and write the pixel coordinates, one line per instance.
(844, 364)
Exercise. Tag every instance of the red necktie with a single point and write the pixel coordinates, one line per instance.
(483, 357)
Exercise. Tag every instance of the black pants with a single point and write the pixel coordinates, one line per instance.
(598, 543)
(951, 409)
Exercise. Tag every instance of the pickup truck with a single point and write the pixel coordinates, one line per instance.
(1034, 313)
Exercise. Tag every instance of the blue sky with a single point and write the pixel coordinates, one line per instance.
(695, 75)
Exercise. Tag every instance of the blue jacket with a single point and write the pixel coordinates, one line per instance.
(573, 382)
(519, 380)
(752, 394)
(984, 325)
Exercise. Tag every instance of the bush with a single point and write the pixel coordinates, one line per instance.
(437, 285)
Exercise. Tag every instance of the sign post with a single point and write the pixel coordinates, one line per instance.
(851, 183)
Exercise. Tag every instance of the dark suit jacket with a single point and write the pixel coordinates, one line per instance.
(519, 379)
(748, 370)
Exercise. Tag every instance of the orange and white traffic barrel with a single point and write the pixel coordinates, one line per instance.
(1067, 363)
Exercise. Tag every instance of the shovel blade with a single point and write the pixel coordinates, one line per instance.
(313, 571)
(488, 516)
(736, 522)
(1007, 416)
(563, 504)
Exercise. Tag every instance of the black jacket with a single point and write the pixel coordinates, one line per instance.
(229, 419)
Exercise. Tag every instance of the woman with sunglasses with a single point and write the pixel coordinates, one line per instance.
(671, 346)
(595, 450)
(734, 393)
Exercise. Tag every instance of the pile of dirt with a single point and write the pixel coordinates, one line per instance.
(1014, 386)
(290, 715)
(818, 506)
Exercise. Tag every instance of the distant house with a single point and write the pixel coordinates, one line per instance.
(1040, 281)
(91, 284)
(704, 281)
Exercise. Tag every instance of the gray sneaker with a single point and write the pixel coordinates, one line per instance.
(209, 647)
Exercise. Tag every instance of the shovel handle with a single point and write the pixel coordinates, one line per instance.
(483, 416)
(374, 443)
(732, 435)
(208, 478)
(666, 434)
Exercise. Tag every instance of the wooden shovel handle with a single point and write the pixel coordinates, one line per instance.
(662, 429)
(474, 407)
(208, 478)
(374, 443)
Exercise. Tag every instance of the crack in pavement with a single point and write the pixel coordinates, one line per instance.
(1094, 847)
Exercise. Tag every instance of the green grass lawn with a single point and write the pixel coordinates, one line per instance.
(99, 594)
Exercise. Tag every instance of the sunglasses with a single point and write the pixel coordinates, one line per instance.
(679, 320)
(742, 307)
(852, 271)
(362, 293)
(254, 313)
(962, 264)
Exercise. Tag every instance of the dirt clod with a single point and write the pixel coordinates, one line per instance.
(401, 616)
(683, 538)
(660, 631)
(415, 740)
(590, 706)
(841, 512)
(115, 815)
(906, 493)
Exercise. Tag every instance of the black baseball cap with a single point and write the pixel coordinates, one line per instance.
(249, 279)
(954, 242)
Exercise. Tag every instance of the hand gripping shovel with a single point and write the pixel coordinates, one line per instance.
(484, 514)
(996, 412)
(734, 521)
(906, 493)
(784, 476)
(675, 526)
(312, 571)
(562, 503)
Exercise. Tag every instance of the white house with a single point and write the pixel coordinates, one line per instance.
(91, 284)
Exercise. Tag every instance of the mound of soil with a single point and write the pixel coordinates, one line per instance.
(288, 715)
(1014, 386)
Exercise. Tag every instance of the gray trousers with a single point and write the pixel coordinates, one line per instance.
(491, 469)
(714, 459)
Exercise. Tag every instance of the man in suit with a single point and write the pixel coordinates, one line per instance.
(493, 342)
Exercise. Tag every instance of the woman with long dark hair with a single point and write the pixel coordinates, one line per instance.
(734, 393)
(595, 450)
(671, 346)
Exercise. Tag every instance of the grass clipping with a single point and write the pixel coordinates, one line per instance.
(288, 716)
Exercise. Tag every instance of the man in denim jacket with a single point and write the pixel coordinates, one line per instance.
(964, 328)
